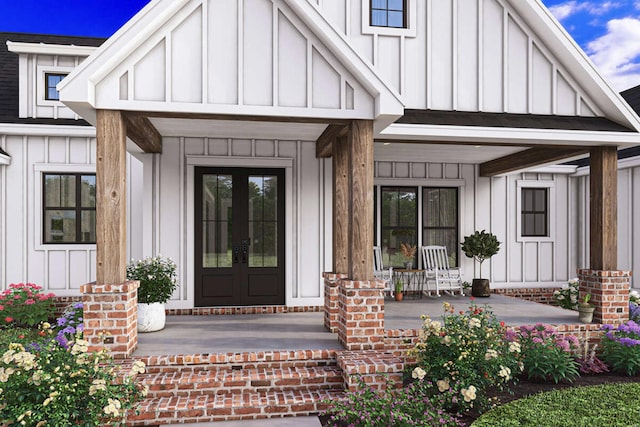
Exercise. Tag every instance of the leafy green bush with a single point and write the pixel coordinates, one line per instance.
(157, 276)
(594, 406)
(567, 297)
(621, 347)
(24, 304)
(548, 356)
(468, 353)
(47, 384)
(418, 404)
(480, 246)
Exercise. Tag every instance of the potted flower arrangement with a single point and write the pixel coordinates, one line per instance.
(398, 291)
(585, 309)
(480, 246)
(157, 276)
(408, 252)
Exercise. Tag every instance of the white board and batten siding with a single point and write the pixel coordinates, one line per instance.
(491, 204)
(168, 217)
(465, 55)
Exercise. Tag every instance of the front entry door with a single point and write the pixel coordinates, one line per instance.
(239, 237)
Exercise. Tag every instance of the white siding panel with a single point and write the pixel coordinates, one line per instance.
(336, 13)
(241, 147)
(222, 50)
(194, 146)
(435, 170)
(218, 147)
(451, 171)
(419, 170)
(385, 169)
(442, 50)
(16, 206)
(563, 233)
(186, 60)
(566, 97)
(309, 254)
(542, 82)
(390, 60)
(635, 248)
(326, 83)
(530, 261)
(57, 262)
(266, 148)
(547, 261)
(78, 150)
(492, 60)
(149, 75)
(292, 65)
(499, 218)
(467, 56)
(258, 52)
(517, 69)
(625, 219)
(415, 70)
(78, 274)
(170, 236)
(57, 150)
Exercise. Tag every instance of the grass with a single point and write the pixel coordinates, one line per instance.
(592, 406)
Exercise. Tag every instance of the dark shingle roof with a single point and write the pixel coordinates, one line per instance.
(9, 74)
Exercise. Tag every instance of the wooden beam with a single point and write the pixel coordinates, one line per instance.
(111, 195)
(360, 171)
(603, 177)
(341, 207)
(528, 158)
(324, 144)
(143, 133)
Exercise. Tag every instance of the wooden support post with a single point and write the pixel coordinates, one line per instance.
(360, 211)
(111, 214)
(341, 195)
(604, 208)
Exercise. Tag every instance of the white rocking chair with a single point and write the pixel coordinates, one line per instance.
(437, 271)
(381, 272)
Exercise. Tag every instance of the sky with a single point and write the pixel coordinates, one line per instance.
(607, 30)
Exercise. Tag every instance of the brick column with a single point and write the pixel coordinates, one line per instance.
(361, 314)
(110, 317)
(331, 300)
(609, 294)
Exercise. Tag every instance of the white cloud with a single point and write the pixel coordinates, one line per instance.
(617, 53)
(565, 10)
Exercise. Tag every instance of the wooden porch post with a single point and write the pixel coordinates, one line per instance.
(340, 205)
(604, 208)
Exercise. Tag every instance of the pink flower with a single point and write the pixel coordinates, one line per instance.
(1, 307)
(8, 319)
(29, 301)
(17, 297)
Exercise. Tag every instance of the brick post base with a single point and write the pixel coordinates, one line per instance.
(110, 317)
(609, 294)
(361, 314)
(331, 300)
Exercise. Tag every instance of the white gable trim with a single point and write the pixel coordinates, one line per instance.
(49, 49)
(46, 130)
(5, 160)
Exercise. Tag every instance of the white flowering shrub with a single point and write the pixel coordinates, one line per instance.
(157, 276)
(47, 384)
(567, 297)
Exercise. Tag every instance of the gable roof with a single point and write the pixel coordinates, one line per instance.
(9, 74)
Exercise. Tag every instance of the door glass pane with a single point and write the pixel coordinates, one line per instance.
(398, 216)
(88, 191)
(88, 227)
(60, 226)
(440, 220)
(263, 225)
(217, 206)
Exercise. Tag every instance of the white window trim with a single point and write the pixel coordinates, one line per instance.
(38, 171)
(41, 88)
(551, 194)
(410, 31)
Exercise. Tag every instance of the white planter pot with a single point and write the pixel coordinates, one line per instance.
(151, 317)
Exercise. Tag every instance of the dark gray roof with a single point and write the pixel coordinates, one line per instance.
(9, 74)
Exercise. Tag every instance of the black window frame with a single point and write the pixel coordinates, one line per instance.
(528, 215)
(48, 87)
(452, 252)
(78, 208)
(399, 229)
(387, 10)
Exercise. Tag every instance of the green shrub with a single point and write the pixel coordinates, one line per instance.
(548, 356)
(621, 347)
(467, 353)
(24, 304)
(47, 384)
(418, 404)
(157, 276)
(567, 297)
(594, 406)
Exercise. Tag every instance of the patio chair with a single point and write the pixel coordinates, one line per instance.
(381, 272)
(435, 262)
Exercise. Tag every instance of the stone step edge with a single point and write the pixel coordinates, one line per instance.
(212, 408)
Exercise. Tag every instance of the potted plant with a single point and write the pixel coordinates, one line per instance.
(585, 309)
(408, 251)
(157, 277)
(480, 246)
(398, 290)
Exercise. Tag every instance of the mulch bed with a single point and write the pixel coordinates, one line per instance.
(526, 388)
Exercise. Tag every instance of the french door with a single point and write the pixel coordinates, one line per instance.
(239, 236)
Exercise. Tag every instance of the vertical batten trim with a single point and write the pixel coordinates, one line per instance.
(182, 290)
(343, 93)
(34, 86)
(156, 203)
(554, 89)
(509, 221)
(454, 55)
(253, 147)
(25, 208)
(347, 18)
(46, 149)
(321, 218)
(505, 60)
(403, 64)
(309, 74)
(480, 55)
(130, 83)
(87, 151)
(3, 221)
(240, 52)
(376, 46)
(205, 146)
(229, 147)
(428, 55)
(298, 193)
(529, 75)
(67, 146)
(205, 50)
(168, 48)
(275, 56)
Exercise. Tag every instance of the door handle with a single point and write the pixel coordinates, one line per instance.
(236, 255)
(245, 252)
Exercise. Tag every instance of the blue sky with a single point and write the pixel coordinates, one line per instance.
(608, 30)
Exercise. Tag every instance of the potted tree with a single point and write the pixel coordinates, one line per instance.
(585, 309)
(157, 277)
(398, 290)
(480, 246)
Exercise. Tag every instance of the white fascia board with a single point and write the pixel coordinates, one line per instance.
(582, 69)
(552, 169)
(388, 102)
(629, 162)
(513, 136)
(5, 160)
(15, 129)
(50, 49)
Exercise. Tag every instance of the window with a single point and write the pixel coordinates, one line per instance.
(534, 209)
(399, 222)
(440, 220)
(51, 80)
(388, 13)
(69, 208)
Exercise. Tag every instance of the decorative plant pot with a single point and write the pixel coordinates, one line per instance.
(480, 288)
(585, 313)
(398, 296)
(151, 317)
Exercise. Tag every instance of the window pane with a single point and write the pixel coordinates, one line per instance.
(444, 237)
(396, 19)
(216, 242)
(60, 191)
(527, 200)
(88, 227)
(440, 220)
(379, 4)
(527, 225)
(60, 227)
(540, 225)
(396, 5)
(88, 191)
(379, 18)
(540, 200)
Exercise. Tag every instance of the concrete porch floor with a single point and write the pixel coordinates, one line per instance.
(297, 331)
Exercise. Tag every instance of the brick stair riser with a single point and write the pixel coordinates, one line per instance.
(154, 369)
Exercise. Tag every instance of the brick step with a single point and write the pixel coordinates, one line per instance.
(243, 406)
(223, 381)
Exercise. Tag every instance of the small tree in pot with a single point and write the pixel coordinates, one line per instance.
(157, 276)
(480, 246)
